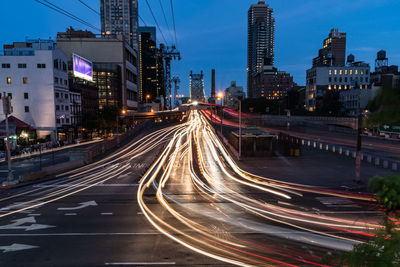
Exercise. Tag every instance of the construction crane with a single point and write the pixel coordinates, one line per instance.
(176, 81)
(169, 54)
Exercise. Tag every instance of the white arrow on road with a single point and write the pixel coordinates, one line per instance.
(81, 206)
(18, 225)
(16, 247)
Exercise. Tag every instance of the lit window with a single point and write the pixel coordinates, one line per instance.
(345, 87)
(330, 72)
(8, 80)
(341, 72)
(335, 72)
(335, 87)
(340, 87)
(329, 87)
(351, 72)
(345, 72)
(24, 80)
(362, 72)
(356, 72)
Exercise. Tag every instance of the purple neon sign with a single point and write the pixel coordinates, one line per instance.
(82, 68)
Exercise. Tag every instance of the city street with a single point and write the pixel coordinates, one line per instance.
(193, 206)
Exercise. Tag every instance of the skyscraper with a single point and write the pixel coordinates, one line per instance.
(261, 41)
(120, 16)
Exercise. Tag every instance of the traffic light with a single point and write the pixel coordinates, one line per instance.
(7, 107)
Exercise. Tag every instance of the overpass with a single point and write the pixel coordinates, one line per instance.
(175, 114)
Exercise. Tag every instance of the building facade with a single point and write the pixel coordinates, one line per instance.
(35, 74)
(260, 42)
(233, 95)
(272, 84)
(151, 86)
(333, 52)
(120, 17)
(115, 66)
(385, 76)
(323, 79)
(197, 87)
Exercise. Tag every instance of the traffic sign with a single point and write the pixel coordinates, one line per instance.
(393, 128)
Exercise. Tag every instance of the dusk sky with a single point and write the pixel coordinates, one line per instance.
(213, 33)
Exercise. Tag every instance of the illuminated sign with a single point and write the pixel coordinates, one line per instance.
(83, 68)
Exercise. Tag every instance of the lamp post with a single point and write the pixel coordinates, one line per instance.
(240, 128)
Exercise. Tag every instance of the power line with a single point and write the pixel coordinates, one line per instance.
(155, 20)
(144, 22)
(66, 13)
(173, 20)
(86, 5)
(165, 18)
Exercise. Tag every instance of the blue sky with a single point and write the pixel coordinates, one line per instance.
(213, 33)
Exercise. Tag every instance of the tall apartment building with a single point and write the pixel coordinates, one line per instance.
(114, 65)
(197, 87)
(333, 52)
(151, 87)
(35, 74)
(260, 43)
(120, 17)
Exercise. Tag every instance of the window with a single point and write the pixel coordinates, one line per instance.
(10, 95)
(26, 108)
(351, 72)
(65, 82)
(26, 96)
(345, 79)
(55, 80)
(356, 72)
(366, 79)
(361, 79)
(329, 87)
(8, 80)
(335, 79)
(67, 120)
(6, 65)
(57, 95)
(330, 79)
(66, 108)
(57, 107)
(330, 72)
(341, 72)
(55, 64)
(21, 66)
(366, 72)
(58, 121)
(25, 80)
(41, 66)
(64, 66)
(362, 72)
(345, 72)
(66, 96)
(340, 79)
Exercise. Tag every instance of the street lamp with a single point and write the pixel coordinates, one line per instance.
(220, 96)
(148, 98)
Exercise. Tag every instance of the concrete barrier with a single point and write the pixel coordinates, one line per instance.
(32, 176)
(377, 161)
(333, 149)
(320, 146)
(394, 166)
(315, 144)
(347, 152)
(327, 147)
(385, 164)
(369, 159)
(340, 151)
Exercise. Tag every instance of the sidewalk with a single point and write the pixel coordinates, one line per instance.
(51, 150)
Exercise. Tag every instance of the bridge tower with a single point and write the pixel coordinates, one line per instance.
(168, 54)
(197, 87)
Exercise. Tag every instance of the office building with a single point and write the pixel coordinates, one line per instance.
(261, 42)
(197, 87)
(151, 87)
(35, 74)
(120, 17)
(272, 84)
(385, 76)
(333, 52)
(114, 65)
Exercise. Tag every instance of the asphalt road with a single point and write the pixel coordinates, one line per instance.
(176, 198)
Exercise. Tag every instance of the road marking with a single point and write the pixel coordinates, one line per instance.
(81, 206)
(107, 213)
(19, 225)
(16, 247)
(84, 185)
(79, 234)
(337, 202)
(140, 213)
(139, 263)
(70, 214)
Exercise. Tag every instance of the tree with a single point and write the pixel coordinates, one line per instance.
(384, 249)
(108, 117)
(385, 108)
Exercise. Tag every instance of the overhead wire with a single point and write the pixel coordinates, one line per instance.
(66, 13)
(173, 21)
(155, 20)
(166, 21)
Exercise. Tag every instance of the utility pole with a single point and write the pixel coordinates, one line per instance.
(359, 141)
(176, 81)
(240, 129)
(169, 54)
(7, 108)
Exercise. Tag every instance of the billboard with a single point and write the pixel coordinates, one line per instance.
(83, 68)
